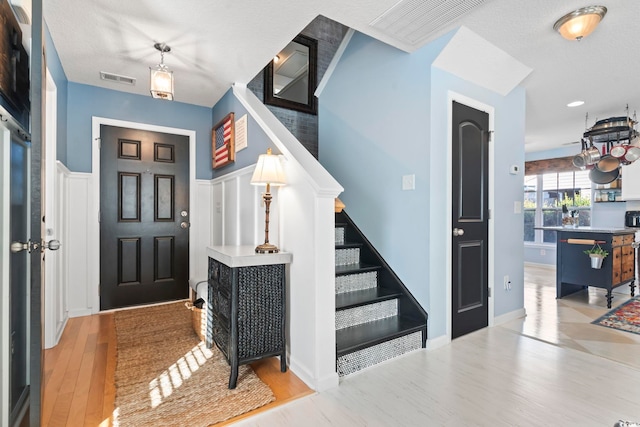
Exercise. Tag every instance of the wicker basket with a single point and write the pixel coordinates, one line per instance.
(198, 319)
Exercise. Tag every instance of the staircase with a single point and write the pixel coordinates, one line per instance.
(377, 318)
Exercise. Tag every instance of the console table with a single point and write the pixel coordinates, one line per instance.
(246, 307)
(573, 269)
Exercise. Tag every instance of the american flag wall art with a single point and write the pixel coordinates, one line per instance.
(222, 142)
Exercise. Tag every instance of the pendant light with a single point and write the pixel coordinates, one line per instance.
(580, 23)
(161, 78)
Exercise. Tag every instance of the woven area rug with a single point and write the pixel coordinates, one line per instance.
(625, 317)
(166, 376)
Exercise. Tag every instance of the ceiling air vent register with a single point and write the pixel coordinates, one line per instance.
(413, 21)
(110, 77)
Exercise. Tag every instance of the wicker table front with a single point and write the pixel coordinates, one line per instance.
(247, 313)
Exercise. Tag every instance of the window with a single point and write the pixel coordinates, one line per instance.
(544, 196)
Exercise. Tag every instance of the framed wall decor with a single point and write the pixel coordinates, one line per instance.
(223, 149)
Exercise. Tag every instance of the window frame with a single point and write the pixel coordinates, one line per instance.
(540, 208)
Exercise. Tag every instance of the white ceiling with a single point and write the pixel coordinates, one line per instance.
(217, 43)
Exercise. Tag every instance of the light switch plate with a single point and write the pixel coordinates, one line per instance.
(409, 182)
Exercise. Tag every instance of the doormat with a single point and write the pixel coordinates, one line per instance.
(166, 376)
(625, 317)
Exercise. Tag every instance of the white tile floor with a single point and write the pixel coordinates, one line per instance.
(567, 322)
(544, 370)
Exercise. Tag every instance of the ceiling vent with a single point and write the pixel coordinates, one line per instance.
(117, 78)
(413, 21)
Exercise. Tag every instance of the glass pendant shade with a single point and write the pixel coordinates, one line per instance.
(161, 82)
(580, 23)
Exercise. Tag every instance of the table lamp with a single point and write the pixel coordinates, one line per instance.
(268, 172)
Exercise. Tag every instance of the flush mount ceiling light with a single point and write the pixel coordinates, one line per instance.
(161, 81)
(575, 104)
(580, 23)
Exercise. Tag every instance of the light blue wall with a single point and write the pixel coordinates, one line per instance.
(86, 101)
(60, 79)
(257, 140)
(384, 115)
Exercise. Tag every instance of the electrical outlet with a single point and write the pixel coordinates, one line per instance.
(543, 252)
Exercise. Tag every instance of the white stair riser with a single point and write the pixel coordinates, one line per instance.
(366, 313)
(358, 360)
(356, 282)
(347, 256)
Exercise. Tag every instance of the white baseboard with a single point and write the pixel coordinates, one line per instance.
(437, 342)
(319, 384)
(80, 312)
(507, 317)
(61, 330)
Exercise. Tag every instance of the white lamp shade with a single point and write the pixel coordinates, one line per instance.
(268, 171)
(161, 83)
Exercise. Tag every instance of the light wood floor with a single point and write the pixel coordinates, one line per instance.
(78, 376)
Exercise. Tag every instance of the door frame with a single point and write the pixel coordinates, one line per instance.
(94, 225)
(490, 110)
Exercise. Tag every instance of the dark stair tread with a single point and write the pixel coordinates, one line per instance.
(349, 246)
(368, 334)
(341, 224)
(364, 296)
(355, 268)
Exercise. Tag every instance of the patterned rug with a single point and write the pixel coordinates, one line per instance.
(165, 376)
(625, 317)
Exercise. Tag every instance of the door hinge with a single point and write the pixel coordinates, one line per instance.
(489, 293)
(99, 216)
(489, 135)
(488, 213)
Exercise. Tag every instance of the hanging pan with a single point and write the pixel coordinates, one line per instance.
(607, 162)
(633, 150)
(600, 177)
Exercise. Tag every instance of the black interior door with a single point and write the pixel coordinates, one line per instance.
(144, 217)
(470, 220)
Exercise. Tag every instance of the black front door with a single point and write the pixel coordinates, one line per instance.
(470, 220)
(144, 217)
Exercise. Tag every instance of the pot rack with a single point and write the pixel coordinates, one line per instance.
(611, 131)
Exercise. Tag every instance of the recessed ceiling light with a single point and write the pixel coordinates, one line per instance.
(575, 104)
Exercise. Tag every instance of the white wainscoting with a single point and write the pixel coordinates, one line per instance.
(200, 235)
(238, 211)
(79, 245)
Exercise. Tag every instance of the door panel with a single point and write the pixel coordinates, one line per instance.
(144, 185)
(470, 199)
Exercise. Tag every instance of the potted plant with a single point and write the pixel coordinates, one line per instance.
(597, 255)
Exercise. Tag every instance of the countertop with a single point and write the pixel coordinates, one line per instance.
(246, 256)
(612, 230)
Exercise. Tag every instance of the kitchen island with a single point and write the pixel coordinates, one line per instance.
(573, 266)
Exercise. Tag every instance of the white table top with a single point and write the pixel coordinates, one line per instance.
(246, 256)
